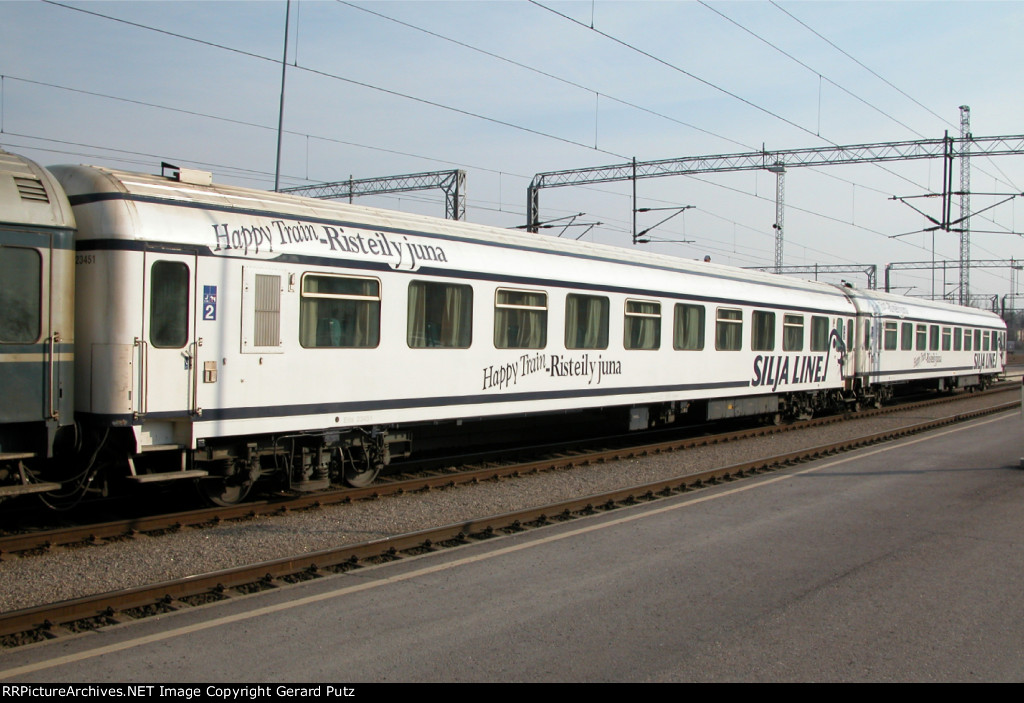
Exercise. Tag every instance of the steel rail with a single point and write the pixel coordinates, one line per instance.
(44, 622)
(18, 545)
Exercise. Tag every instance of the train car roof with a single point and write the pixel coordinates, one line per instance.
(889, 305)
(87, 185)
(145, 198)
(29, 195)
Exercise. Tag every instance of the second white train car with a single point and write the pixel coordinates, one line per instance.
(925, 343)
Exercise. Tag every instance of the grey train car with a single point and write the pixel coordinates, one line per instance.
(37, 330)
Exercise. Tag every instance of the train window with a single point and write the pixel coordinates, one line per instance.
(689, 327)
(339, 312)
(168, 304)
(440, 315)
(21, 271)
(967, 340)
(922, 338)
(520, 319)
(933, 337)
(762, 331)
(947, 339)
(890, 337)
(793, 333)
(849, 335)
(729, 330)
(957, 338)
(984, 341)
(819, 333)
(977, 340)
(906, 336)
(642, 325)
(586, 322)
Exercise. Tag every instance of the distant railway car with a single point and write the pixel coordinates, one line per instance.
(36, 323)
(925, 344)
(229, 335)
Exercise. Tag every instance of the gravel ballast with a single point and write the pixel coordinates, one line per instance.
(68, 573)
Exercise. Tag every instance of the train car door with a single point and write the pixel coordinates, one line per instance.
(848, 357)
(168, 343)
(22, 327)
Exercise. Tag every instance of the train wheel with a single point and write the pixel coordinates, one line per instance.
(229, 482)
(224, 491)
(359, 477)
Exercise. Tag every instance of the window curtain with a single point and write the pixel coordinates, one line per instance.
(586, 323)
(689, 327)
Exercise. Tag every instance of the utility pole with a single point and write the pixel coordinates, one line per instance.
(965, 204)
(779, 169)
(280, 112)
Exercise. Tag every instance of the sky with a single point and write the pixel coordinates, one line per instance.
(508, 89)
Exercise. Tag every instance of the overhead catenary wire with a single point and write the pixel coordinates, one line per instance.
(884, 80)
(809, 68)
(252, 173)
(256, 125)
(711, 84)
(578, 85)
(565, 81)
(326, 74)
(505, 171)
(859, 63)
(546, 74)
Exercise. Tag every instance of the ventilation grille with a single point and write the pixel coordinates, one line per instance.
(267, 332)
(31, 189)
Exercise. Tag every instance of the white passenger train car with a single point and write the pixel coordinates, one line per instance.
(230, 334)
(926, 343)
(224, 319)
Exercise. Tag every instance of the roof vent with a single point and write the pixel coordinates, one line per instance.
(31, 189)
(192, 176)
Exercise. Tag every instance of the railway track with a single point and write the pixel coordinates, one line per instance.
(83, 614)
(475, 468)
